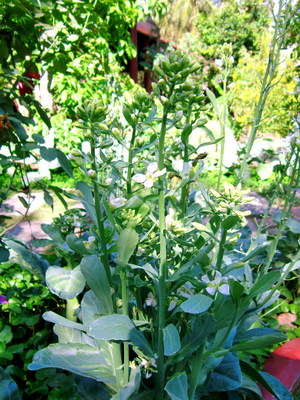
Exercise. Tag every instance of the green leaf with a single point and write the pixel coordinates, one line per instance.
(127, 242)
(119, 327)
(131, 388)
(64, 162)
(51, 316)
(196, 304)
(6, 334)
(127, 116)
(177, 387)
(264, 283)
(66, 334)
(42, 113)
(171, 340)
(76, 244)
(91, 308)
(201, 328)
(259, 338)
(80, 359)
(293, 225)
(272, 384)
(54, 233)
(236, 290)
(8, 387)
(87, 200)
(187, 130)
(229, 222)
(95, 275)
(48, 154)
(65, 283)
(23, 201)
(227, 376)
(213, 99)
(34, 263)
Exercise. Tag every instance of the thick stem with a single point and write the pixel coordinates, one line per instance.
(162, 267)
(72, 304)
(99, 216)
(221, 249)
(184, 190)
(130, 158)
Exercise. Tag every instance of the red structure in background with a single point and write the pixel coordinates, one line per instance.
(144, 35)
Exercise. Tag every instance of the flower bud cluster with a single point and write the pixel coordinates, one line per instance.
(232, 198)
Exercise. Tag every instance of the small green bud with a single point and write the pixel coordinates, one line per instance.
(76, 152)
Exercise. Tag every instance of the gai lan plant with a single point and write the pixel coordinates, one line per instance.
(171, 296)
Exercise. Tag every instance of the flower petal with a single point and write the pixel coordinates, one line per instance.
(160, 172)
(211, 290)
(139, 178)
(148, 183)
(224, 289)
(152, 167)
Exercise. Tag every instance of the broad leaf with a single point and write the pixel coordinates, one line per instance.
(171, 340)
(8, 387)
(177, 387)
(127, 242)
(76, 244)
(258, 338)
(51, 316)
(229, 222)
(272, 384)
(65, 283)
(64, 162)
(201, 328)
(119, 327)
(34, 263)
(77, 358)
(95, 275)
(131, 388)
(227, 376)
(196, 304)
(48, 154)
(91, 308)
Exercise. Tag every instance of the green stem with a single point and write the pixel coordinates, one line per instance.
(221, 249)
(130, 158)
(99, 216)
(72, 304)
(273, 61)
(285, 212)
(262, 225)
(160, 376)
(124, 284)
(195, 371)
(184, 190)
(222, 131)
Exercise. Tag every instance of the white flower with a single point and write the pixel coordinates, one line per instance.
(151, 175)
(182, 167)
(108, 181)
(219, 283)
(219, 62)
(116, 202)
(151, 300)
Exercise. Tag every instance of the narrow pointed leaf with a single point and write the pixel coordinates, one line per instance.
(95, 275)
(127, 242)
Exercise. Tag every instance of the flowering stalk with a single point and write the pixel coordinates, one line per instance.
(130, 158)
(273, 62)
(163, 264)
(99, 215)
(184, 190)
(289, 200)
